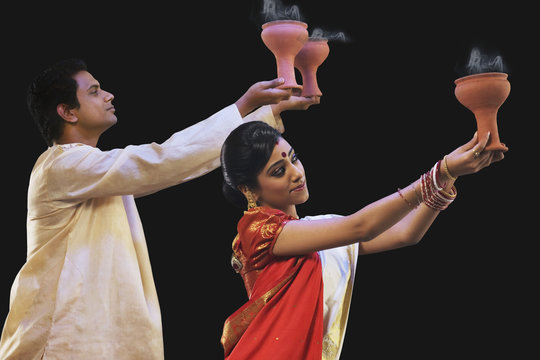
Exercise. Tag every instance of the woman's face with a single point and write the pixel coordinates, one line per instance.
(282, 182)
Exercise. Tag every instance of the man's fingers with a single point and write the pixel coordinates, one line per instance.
(315, 99)
(282, 94)
(272, 83)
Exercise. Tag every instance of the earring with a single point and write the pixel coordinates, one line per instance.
(251, 202)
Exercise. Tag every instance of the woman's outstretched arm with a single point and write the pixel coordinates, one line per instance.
(411, 229)
(394, 221)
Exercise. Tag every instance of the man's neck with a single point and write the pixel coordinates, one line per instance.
(76, 138)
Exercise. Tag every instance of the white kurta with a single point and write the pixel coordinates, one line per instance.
(339, 268)
(86, 290)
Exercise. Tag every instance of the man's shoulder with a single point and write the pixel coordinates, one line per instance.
(50, 157)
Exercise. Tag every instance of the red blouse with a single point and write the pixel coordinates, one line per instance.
(283, 318)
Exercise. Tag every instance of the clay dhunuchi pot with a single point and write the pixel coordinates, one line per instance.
(308, 60)
(483, 94)
(285, 38)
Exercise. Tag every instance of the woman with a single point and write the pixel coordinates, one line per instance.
(299, 273)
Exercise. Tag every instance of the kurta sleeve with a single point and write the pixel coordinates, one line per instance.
(265, 114)
(83, 172)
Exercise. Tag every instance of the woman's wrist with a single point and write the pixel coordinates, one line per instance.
(446, 170)
(435, 189)
(438, 190)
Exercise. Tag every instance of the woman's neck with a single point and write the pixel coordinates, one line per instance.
(289, 210)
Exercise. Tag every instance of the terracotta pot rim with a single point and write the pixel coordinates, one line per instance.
(493, 74)
(273, 22)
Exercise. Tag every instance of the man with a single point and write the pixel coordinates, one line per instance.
(86, 290)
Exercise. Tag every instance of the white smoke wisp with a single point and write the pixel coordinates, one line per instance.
(479, 63)
(319, 33)
(275, 10)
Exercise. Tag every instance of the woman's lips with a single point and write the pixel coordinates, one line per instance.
(299, 187)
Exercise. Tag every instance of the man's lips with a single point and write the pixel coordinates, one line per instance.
(111, 108)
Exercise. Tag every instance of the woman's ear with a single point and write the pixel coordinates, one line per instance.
(66, 113)
(248, 193)
(244, 189)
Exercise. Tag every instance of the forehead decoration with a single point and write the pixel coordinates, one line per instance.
(283, 153)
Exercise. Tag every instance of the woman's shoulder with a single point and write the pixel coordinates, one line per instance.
(262, 220)
(261, 212)
(319, 217)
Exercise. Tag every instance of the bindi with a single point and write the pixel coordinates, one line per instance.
(283, 154)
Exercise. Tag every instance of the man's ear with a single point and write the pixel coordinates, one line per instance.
(66, 113)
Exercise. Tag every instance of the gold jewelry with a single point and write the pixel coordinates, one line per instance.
(251, 202)
(446, 171)
(404, 198)
(476, 154)
(450, 195)
(416, 194)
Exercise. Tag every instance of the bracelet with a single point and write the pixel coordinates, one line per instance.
(435, 173)
(407, 201)
(419, 200)
(445, 169)
(433, 194)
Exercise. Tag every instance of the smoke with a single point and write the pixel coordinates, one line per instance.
(481, 63)
(275, 10)
(319, 33)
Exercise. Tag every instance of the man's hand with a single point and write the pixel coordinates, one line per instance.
(262, 93)
(295, 103)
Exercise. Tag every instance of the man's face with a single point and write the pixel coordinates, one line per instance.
(96, 111)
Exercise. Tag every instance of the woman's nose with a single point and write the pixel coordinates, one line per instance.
(297, 173)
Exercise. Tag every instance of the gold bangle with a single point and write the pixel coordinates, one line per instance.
(419, 200)
(446, 171)
(450, 195)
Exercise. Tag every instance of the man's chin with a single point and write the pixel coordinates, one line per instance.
(113, 121)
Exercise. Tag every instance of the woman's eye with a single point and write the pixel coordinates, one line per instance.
(278, 172)
(294, 158)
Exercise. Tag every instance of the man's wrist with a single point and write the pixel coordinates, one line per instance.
(244, 107)
(276, 109)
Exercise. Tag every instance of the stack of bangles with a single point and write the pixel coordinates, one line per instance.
(433, 194)
(432, 191)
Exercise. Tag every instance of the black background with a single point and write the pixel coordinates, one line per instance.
(388, 113)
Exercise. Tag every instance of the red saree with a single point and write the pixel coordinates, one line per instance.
(283, 318)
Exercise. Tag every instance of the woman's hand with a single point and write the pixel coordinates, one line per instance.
(471, 157)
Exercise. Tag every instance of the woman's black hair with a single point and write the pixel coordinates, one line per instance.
(244, 154)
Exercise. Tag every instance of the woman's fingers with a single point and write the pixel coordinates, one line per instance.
(470, 144)
(480, 146)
